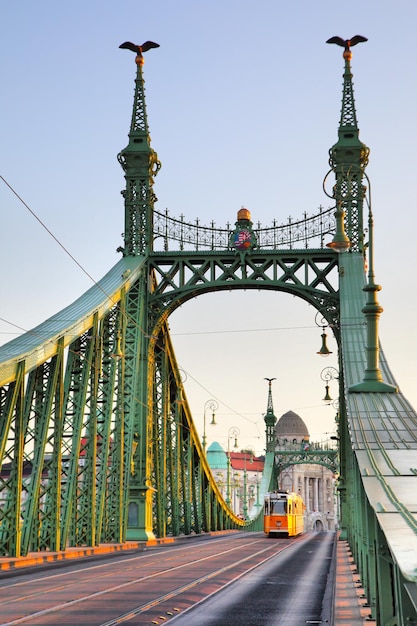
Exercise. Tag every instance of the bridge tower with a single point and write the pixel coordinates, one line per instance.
(140, 164)
(348, 160)
(270, 420)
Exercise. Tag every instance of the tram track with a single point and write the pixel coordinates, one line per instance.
(157, 586)
(194, 583)
(94, 569)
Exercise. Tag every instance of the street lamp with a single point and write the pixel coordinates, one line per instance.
(245, 487)
(213, 405)
(328, 374)
(372, 378)
(341, 242)
(257, 491)
(324, 350)
(233, 432)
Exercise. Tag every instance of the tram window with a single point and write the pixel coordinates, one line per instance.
(279, 507)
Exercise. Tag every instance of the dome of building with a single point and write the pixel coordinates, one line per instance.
(216, 456)
(291, 425)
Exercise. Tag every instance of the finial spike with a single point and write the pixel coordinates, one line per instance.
(347, 44)
(139, 50)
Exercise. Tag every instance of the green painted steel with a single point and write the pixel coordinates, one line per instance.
(97, 440)
(318, 456)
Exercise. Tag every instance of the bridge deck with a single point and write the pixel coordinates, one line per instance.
(350, 609)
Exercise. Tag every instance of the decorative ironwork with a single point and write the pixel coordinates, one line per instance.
(308, 232)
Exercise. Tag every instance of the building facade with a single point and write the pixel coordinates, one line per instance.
(238, 476)
(315, 483)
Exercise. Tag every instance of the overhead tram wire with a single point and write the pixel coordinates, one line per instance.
(105, 293)
(126, 315)
(95, 283)
(48, 230)
(67, 252)
(256, 330)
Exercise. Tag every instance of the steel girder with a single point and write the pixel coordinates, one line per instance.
(327, 458)
(176, 277)
(310, 274)
(61, 446)
(186, 499)
(97, 442)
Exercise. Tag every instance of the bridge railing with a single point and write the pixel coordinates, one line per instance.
(307, 232)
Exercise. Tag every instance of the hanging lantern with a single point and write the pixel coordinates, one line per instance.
(327, 397)
(340, 241)
(324, 350)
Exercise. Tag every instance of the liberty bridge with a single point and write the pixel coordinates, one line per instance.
(97, 440)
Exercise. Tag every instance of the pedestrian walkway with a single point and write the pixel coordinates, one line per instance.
(351, 607)
(40, 558)
(8, 563)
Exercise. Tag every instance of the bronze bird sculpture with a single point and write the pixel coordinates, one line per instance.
(139, 49)
(347, 43)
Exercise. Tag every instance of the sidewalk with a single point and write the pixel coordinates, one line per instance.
(36, 558)
(8, 563)
(350, 603)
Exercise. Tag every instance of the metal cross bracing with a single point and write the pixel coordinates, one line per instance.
(309, 274)
(97, 441)
(83, 449)
(319, 456)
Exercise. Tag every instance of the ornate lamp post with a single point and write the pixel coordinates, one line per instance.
(328, 374)
(324, 350)
(233, 432)
(257, 491)
(213, 405)
(245, 489)
(245, 492)
(372, 378)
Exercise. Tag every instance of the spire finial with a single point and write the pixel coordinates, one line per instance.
(347, 44)
(270, 419)
(128, 45)
(270, 408)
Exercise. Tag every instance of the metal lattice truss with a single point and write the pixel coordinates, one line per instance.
(91, 415)
(327, 458)
(187, 500)
(310, 274)
(60, 445)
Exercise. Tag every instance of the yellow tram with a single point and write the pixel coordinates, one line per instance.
(283, 514)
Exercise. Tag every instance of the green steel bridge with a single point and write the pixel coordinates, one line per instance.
(97, 440)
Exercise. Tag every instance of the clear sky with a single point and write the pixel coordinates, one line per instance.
(243, 102)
